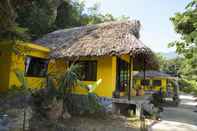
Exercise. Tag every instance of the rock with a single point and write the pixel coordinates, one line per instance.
(66, 115)
(55, 111)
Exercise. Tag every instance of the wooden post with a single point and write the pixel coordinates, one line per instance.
(144, 69)
(130, 76)
(117, 75)
(129, 91)
(116, 79)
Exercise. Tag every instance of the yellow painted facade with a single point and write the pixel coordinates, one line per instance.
(5, 64)
(106, 71)
(150, 87)
(9, 61)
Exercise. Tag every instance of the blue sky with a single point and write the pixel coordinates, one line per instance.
(157, 30)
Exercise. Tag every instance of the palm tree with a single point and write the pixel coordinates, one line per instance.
(67, 82)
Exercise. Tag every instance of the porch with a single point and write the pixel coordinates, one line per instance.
(126, 97)
(125, 67)
(123, 104)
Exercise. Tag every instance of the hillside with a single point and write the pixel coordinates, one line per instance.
(169, 55)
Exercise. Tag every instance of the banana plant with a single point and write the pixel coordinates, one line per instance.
(67, 82)
(69, 79)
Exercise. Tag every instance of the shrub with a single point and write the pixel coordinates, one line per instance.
(188, 86)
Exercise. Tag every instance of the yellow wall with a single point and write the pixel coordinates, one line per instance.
(11, 61)
(156, 88)
(106, 71)
(57, 66)
(5, 64)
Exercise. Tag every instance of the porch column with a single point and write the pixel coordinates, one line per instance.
(130, 76)
(114, 75)
(144, 69)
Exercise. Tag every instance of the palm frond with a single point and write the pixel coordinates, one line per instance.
(70, 78)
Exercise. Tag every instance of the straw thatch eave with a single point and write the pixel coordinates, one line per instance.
(111, 38)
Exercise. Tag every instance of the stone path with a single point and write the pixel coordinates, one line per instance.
(182, 118)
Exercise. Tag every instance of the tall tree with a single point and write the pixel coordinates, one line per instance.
(185, 24)
(38, 17)
(8, 15)
(69, 14)
(34, 18)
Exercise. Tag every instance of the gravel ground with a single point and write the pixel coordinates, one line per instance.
(182, 118)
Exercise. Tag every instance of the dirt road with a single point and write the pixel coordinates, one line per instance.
(182, 118)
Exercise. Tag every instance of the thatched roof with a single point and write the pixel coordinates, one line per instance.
(153, 74)
(111, 38)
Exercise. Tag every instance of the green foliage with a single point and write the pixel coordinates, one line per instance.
(56, 94)
(59, 89)
(69, 79)
(70, 14)
(84, 104)
(32, 19)
(171, 66)
(188, 86)
(75, 104)
(189, 68)
(9, 29)
(38, 17)
(184, 68)
(185, 23)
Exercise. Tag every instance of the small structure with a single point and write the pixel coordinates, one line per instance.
(155, 81)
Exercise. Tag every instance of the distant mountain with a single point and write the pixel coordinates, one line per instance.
(169, 55)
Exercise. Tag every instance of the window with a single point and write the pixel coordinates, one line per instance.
(88, 70)
(156, 82)
(36, 67)
(145, 82)
(123, 71)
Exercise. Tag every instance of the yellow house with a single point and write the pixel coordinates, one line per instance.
(108, 52)
(152, 81)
